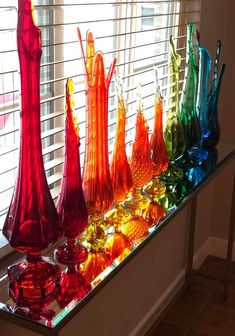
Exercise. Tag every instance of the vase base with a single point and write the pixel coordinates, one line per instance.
(34, 283)
(154, 189)
(71, 253)
(118, 215)
(136, 203)
(73, 287)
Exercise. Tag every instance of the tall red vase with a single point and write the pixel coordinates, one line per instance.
(71, 205)
(32, 222)
(72, 210)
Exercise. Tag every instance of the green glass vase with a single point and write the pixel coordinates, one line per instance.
(174, 137)
(188, 112)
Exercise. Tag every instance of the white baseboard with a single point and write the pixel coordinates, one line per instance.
(212, 246)
(143, 326)
(200, 256)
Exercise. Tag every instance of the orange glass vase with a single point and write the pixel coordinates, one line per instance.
(158, 149)
(140, 164)
(121, 177)
(120, 169)
(97, 183)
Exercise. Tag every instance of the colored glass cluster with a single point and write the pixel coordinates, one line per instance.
(113, 208)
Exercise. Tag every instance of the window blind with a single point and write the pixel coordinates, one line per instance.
(135, 32)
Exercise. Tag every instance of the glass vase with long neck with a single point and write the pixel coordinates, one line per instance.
(71, 205)
(197, 152)
(158, 149)
(174, 136)
(140, 163)
(97, 183)
(204, 73)
(121, 177)
(120, 169)
(32, 222)
(212, 135)
(188, 113)
(72, 210)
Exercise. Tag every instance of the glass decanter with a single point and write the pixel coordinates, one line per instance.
(32, 222)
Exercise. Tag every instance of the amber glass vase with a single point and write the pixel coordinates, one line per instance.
(141, 169)
(120, 169)
(121, 177)
(32, 222)
(140, 163)
(158, 150)
(97, 183)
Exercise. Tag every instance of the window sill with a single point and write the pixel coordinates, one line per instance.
(226, 155)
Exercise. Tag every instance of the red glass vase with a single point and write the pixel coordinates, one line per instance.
(32, 222)
(71, 205)
(158, 149)
(73, 286)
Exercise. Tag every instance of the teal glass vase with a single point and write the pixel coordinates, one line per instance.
(188, 113)
(203, 81)
(211, 134)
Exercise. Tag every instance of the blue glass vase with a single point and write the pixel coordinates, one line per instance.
(202, 94)
(211, 133)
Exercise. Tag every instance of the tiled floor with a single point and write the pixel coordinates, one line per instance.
(201, 309)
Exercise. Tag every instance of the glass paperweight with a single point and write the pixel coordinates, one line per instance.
(32, 222)
(71, 205)
(188, 113)
(158, 150)
(140, 163)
